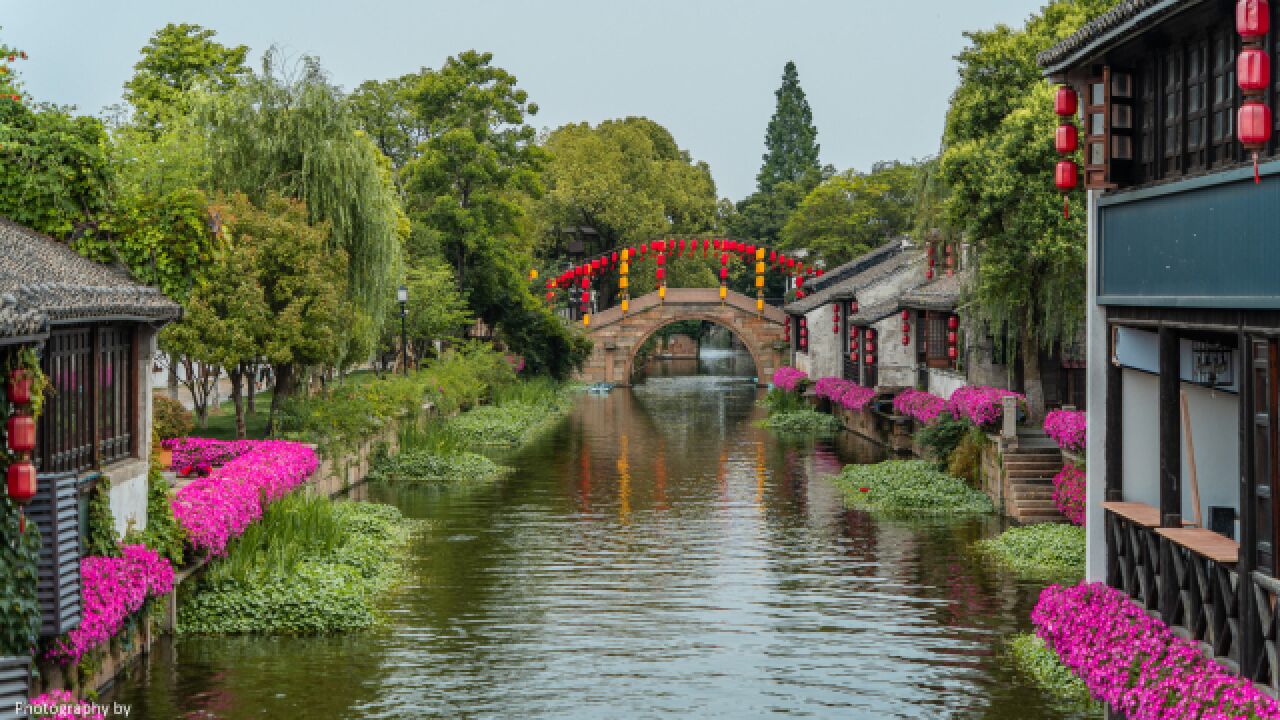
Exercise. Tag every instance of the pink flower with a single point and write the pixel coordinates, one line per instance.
(216, 508)
(1136, 664)
(844, 393)
(1067, 427)
(920, 405)
(113, 588)
(1068, 493)
(979, 404)
(789, 378)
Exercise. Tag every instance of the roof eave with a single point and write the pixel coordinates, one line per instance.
(1106, 40)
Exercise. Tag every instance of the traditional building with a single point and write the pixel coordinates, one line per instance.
(94, 331)
(1183, 312)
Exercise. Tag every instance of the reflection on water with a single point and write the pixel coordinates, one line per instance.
(657, 555)
(710, 361)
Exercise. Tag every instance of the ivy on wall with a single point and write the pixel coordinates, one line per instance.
(19, 555)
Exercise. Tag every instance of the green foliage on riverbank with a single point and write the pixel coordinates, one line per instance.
(777, 400)
(1046, 551)
(908, 486)
(806, 422)
(423, 467)
(1028, 654)
(518, 414)
(311, 566)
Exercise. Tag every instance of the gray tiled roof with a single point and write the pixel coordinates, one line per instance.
(941, 294)
(43, 281)
(856, 275)
(873, 314)
(1125, 18)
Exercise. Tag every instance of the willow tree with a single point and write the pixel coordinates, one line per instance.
(292, 133)
(997, 161)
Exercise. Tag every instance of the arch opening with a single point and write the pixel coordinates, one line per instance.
(694, 345)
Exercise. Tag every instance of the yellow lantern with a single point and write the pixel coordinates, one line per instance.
(722, 292)
(586, 320)
(662, 291)
(624, 268)
(759, 281)
(759, 268)
(533, 274)
(760, 255)
(623, 283)
(626, 255)
(760, 304)
(625, 304)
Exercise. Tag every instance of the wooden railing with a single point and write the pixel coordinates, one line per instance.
(1264, 666)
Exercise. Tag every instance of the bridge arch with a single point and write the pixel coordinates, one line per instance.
(617, 337)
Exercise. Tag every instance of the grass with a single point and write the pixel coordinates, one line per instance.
(801, 422)
(310, 566)
(909, 487)
(520, 412)
(1046, 551)
(1032, 658)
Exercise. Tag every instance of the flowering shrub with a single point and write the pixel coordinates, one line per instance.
(845, 393)
(62, 705)
(204, 454)
(1136, 664)
(217, 508)
(789, 379)
(919, 405)
(1068, 493)
(1067, 427)
(113, 588)
(979, 404)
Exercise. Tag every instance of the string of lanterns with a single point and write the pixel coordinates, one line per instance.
(624, 283)
(760, 279)
(21, 432)
(906, 328)
(953, 324)
(1066, 142)
(804, 335)
(1253, 75)
(869, 346)
(835, 318)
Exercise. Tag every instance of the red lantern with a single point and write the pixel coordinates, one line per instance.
(871, 359)
(906, 326)
(1066, 175)
(22, 482)
(1254, 128)
(906, 340)
(853, 356)
(22, 433)
(853, 306)
(1253, 70)
(906, 315)
(773, 256)
(614, 257)
(952, 353)
(662, 274)
(724, 274)
(1253, 19)
(586, 296)
(951, 337)
(586, 283)
(928, 274)
(953, 322)
(682, 246)
(18, 388)
(662, 259)
(724, 258)
(1067, 139)
(870, 347)
(550, 296)
(1065, 102)
(930, 250)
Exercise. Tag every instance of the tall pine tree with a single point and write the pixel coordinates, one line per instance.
(791, 140)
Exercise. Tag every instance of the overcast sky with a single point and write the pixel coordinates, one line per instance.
(878, 74)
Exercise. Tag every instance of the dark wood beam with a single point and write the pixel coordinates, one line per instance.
(1113, 453)
(1170, 433)
(1250, 623)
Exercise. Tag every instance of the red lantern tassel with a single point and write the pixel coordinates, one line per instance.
(22, 521)
(1065, 207)
(1257, 178)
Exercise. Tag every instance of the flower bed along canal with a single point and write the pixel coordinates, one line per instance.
(655, 554)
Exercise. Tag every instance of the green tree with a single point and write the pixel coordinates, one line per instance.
(382, 109)
(294, 135)
(435, 311)
(996, 161)
(790, 140)
(177, 58)
(852, 213)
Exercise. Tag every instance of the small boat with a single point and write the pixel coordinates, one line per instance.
(600, 388)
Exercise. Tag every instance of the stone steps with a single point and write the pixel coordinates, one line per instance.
(1029, 471)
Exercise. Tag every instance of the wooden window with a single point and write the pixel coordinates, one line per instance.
(1222, 130)
(1197, 105)
(89, 416)
(1148, 127)
(935, 340)
(1264, 361)
(1173, 112)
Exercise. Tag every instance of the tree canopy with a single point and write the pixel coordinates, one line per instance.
(790, 140)
(176, 59)
(852, 213)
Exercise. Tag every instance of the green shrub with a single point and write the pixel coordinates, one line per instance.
(965, 461)
(909, 486)
(1046, 551)
(807, 421)
(428, 468)
(169, 418)
(101, 537)
(778, 401)
(311, 566)
(943, 436)
(1032, 658)
(163, 533)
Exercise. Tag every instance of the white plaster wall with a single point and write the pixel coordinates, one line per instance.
(1215, 428)
(944, 382)
(1095, 390)
(824, 346)
(1141, 437)
(129, 477)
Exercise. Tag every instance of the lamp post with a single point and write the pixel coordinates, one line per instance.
(402, 295)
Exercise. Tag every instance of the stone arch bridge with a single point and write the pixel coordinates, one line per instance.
(618, 337)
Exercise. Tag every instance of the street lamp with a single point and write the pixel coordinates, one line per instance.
(402, 295)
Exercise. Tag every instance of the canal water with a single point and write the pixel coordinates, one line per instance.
(657, 555)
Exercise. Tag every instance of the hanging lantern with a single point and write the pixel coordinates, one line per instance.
(22, 433)
(1253, 19)
(662, 274)
(706, 244)
(22, 483)
(1067, 139)
(1254, 128)
(533, 274)
(906, 340)
(614, 257)
(586, 283)
(870, 346)
(928, 274)
(1066, 102)
(760, 281)
(18, 388)
(662, 259)
(550, 296)
(1253, 70)
(953, 322)
(724, 274)
(951, 337)
(773, 256)
(586, 320)
(853, 307)
(906, 326)
(906, 315)
(625, 305)
(722, 292)
(1066, 176)
(759, 304)
(662, 292)
(952, 352)
(871, 359)
(853, 356)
